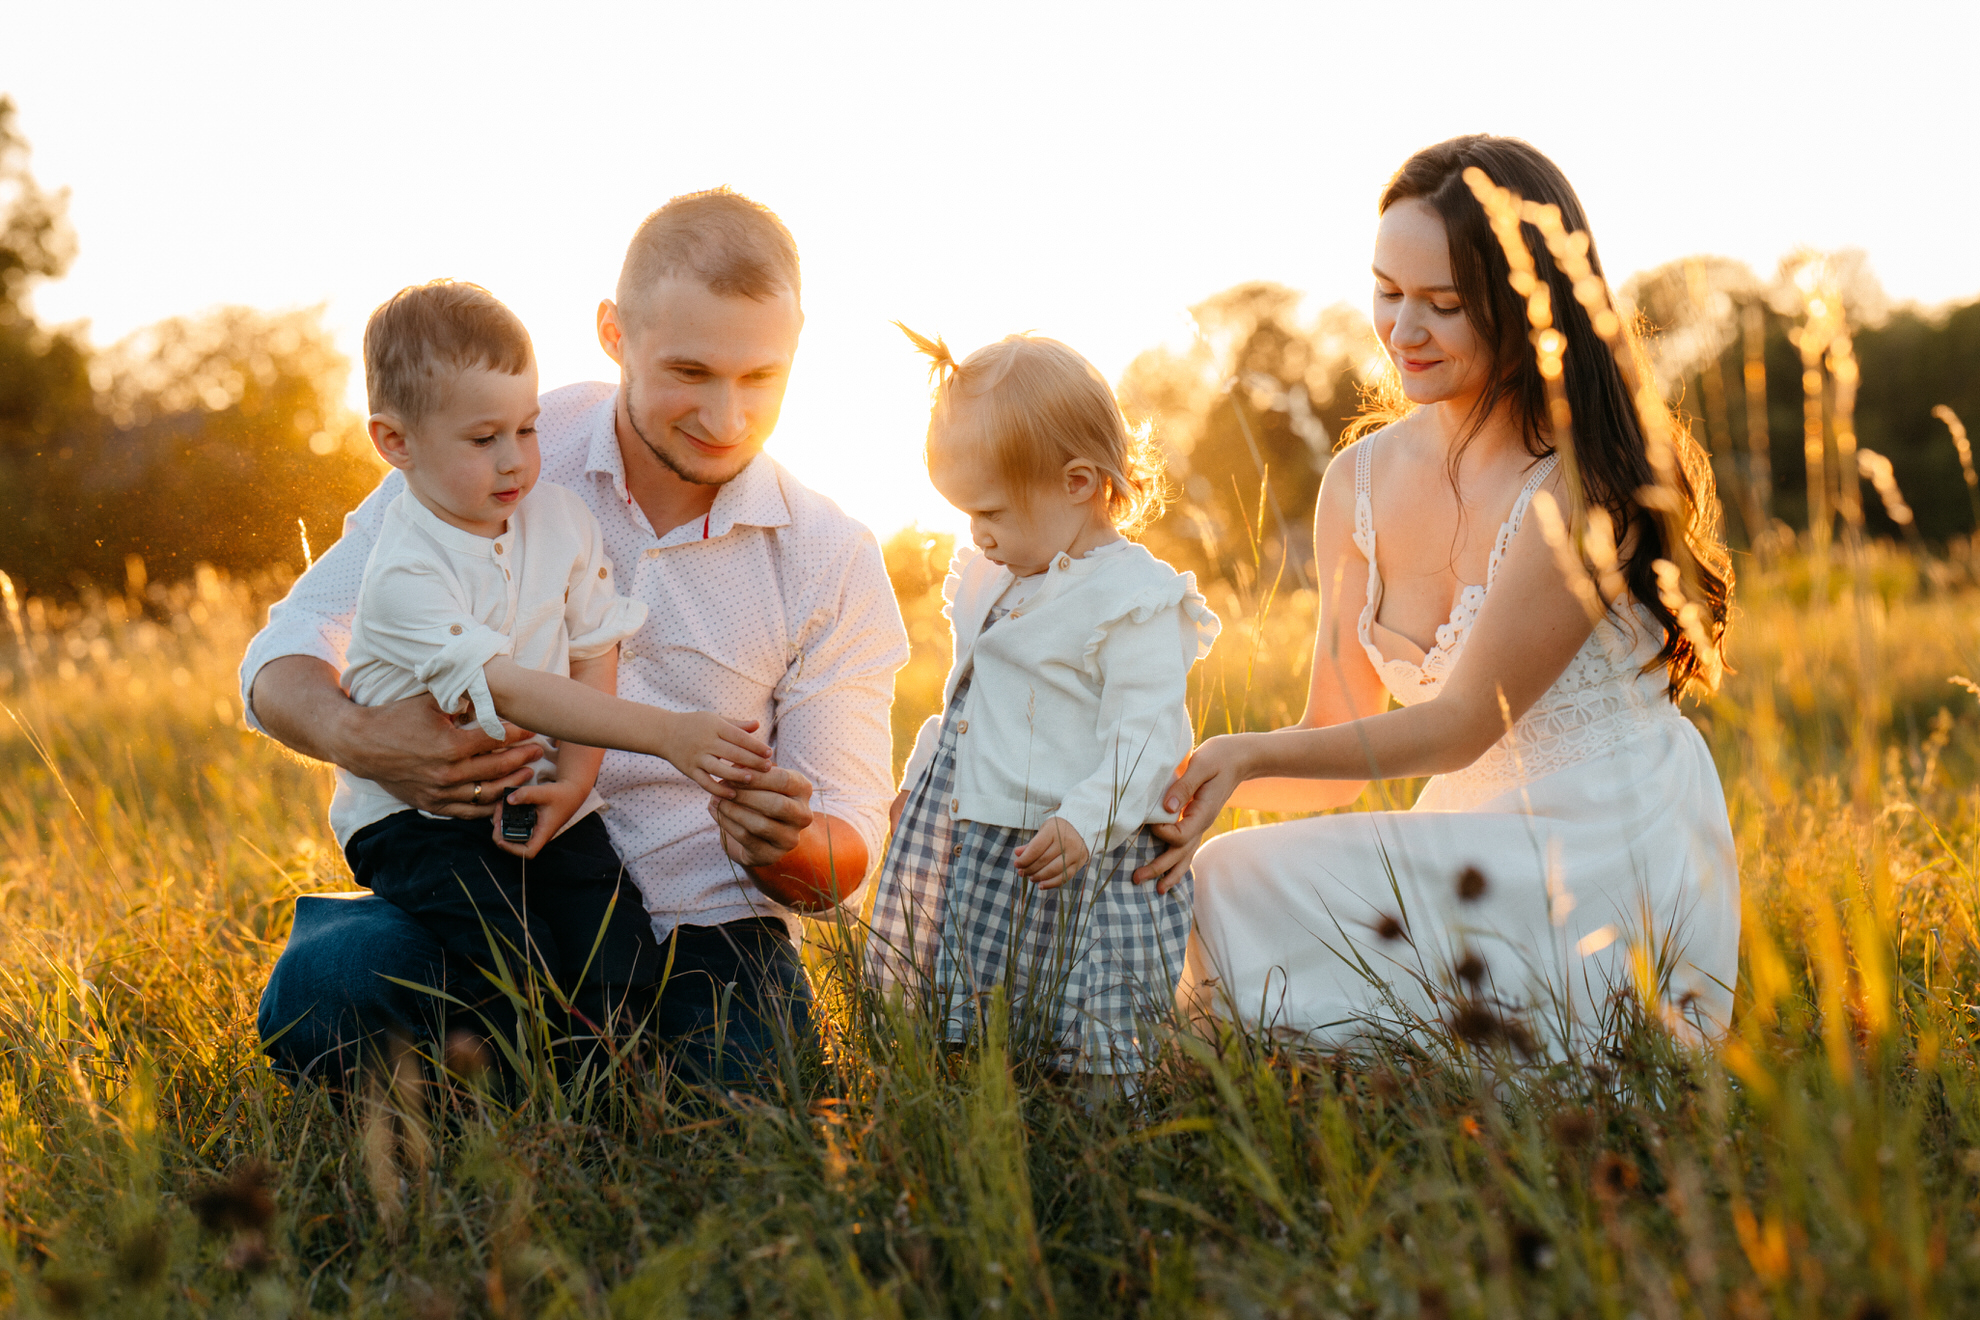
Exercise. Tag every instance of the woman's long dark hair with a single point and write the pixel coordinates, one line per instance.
(1610, 448)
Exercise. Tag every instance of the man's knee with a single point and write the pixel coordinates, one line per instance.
(328, 997)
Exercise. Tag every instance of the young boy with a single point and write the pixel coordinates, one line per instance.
(492, 592)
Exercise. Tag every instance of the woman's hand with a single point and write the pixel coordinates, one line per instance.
(1199, 791)
(555, 802)
(1053, 855)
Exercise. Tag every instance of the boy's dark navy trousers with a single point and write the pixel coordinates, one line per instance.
(544, 915)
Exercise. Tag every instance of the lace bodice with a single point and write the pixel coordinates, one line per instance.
(1601, 699)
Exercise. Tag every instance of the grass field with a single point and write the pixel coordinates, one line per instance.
(1825, 1162)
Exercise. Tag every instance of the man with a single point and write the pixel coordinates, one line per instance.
(764, 602)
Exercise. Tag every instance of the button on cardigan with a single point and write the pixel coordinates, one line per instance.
(1078, 708)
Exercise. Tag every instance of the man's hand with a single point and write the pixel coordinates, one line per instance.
(805, 861)
(763, 821)
(1053, 855)
(409, 748)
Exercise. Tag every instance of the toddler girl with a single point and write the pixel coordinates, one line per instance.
(1020, 820)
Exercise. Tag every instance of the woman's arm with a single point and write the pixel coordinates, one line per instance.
(1529, 628)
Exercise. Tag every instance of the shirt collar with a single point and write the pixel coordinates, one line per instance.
(754, 497)
(451, 537)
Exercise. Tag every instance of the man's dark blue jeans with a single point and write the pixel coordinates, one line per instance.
(730, 994)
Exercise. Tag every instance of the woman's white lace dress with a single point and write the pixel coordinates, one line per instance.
(1598, 826)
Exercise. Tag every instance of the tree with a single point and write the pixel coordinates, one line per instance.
(200, 439)
(1257, 394)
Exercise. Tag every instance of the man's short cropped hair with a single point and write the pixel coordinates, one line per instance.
(426, 330)
(734, 246)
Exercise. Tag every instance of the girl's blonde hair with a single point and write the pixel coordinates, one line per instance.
(1038, 405)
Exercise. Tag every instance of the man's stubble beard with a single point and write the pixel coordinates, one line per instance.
(665, 459)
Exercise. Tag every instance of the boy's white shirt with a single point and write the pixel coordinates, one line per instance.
(1078, 708)
(438, 603)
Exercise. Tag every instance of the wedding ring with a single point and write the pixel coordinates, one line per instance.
(477, 795)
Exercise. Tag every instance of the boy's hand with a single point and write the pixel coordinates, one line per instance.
(1053, 856)
(715, 753)
(555, 803)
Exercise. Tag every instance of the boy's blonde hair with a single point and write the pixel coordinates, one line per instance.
(1037, 405)
(425, 329)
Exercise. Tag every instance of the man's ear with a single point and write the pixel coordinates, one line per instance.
(611, 334)
(388, 437)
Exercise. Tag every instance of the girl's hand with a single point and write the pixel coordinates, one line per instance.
(1053, 856)
(555, 804)
(894, 811)
(716, 753)
(1201, 787)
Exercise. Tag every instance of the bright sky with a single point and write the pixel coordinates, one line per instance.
(1086, 170)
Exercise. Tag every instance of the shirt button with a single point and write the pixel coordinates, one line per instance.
(601, 573)
(456, 630)
(1015, 614)
(1065, 562)
(958, 851)
(955, 804)
(962, 726)
(653, 552)
(498, 547)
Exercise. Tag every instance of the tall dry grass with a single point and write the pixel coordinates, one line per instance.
(1826, 1162)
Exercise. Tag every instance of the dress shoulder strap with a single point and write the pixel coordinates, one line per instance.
(1364, 509)
(1541, 471)
(1508, 529)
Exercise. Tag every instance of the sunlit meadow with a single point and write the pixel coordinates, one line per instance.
(1824, 1162)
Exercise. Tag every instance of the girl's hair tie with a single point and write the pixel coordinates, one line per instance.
(942, 364)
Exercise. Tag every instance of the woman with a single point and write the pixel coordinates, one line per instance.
(1573, 841)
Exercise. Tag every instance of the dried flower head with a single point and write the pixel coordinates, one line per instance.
(1616, 1174)
(1472, 884)
(1470, 969)
(1574, 1128)
(241, 1202)
(1388, 927)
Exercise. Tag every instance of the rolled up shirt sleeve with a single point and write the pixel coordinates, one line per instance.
(596, 616)
(314, 619)
(414, 620)
(832, 706)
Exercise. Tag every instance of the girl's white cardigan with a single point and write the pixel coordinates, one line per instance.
(1078, 706)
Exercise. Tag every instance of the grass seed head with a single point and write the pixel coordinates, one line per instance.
(1470, 969)
(1472, 884)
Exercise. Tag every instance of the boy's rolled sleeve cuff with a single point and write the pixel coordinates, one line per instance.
(455, 672)
(625, 618)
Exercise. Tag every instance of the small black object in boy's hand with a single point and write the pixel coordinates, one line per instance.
(518, 820)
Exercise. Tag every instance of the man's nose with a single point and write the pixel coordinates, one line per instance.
(725, 416)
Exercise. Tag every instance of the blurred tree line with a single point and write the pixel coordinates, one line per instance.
(201, 439)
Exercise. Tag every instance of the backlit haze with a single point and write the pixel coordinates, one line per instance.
(1086, 171)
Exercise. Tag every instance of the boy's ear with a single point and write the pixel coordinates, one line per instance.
(388, 437)
(611, 334)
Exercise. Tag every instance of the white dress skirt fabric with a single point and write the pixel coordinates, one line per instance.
(1597, 825)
